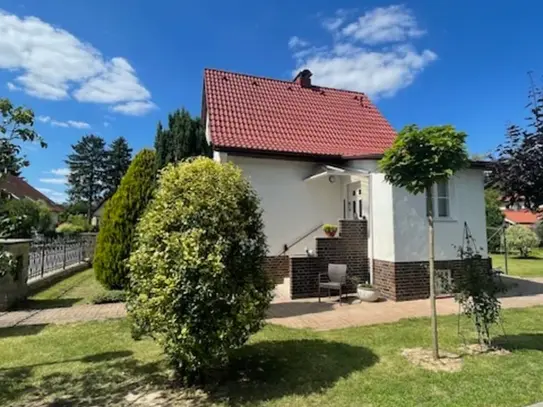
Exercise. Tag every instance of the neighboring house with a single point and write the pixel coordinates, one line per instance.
(98, 213)
(523, 217)
(17, 188)
(312, 154)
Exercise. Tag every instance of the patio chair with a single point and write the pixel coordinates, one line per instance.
(337, 276)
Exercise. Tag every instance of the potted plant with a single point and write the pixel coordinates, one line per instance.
(330, 230)
(365, 291)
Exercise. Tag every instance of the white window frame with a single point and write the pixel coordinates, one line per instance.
(436, 198)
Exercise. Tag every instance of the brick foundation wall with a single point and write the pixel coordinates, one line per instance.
(350, 248)
(402, 281)
(277, 268)
(304, 274)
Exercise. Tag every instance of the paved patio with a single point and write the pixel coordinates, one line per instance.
(306, 313)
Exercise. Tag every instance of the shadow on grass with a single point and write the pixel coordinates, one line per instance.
(23, 330)
(520, 342)
(31, 304)
(258, 372)
(270, 370)
(105, 380)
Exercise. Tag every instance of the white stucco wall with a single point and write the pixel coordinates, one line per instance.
(382, 243)
(411, 227)
(291, 206)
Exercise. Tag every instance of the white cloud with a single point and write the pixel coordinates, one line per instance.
(56, 123)
(134, 108)
(58, 181)
(384, 24)
(64, 172)
(56, 196)
(70, 123)
(353, 61)
(78, 125)
(296, 42)
(12, 87)
(53, 64)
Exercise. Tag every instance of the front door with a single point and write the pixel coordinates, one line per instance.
(354, 201)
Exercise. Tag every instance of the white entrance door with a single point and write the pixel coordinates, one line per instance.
(355, 204)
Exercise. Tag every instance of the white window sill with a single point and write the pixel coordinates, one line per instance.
(445, 220)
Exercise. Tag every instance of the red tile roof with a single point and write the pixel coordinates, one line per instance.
(523, 216)
(253, 113)
(22, 189)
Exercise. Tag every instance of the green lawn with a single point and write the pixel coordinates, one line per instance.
(74, 290)
(532, 267)
(98, 364)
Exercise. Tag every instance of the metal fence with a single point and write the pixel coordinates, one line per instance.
(50, 255)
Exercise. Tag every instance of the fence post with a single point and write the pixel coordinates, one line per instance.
(80, 249)
(64, 256)
(43, 256)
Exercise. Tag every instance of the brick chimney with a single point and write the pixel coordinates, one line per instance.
(304, 78)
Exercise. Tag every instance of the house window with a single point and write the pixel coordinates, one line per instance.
(360, 208)
(443, 200)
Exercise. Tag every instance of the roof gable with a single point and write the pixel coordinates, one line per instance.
(253, 113)
(22, 189)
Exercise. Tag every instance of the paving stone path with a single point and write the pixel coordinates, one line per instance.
(307, 313)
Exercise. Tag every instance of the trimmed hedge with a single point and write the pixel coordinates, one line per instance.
(121, 215)
(197, 284)
(109, 297)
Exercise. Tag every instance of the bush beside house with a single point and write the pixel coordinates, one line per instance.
(197, 284)
(121, 214)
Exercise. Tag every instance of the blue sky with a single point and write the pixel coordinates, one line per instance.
(115, 68)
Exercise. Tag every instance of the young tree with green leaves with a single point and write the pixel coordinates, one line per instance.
(184, 137)
(118, 161)
(418, 160)
(16, 127)
(88, 168)
(121, 215)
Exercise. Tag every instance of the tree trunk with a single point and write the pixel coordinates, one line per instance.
(431, 267)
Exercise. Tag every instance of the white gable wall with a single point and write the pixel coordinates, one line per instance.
(411, 227)
(292, 207)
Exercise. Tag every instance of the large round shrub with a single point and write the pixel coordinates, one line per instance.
(121, 215)
(521, 239)
(197, 284)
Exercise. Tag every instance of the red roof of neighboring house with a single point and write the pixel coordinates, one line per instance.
(21, 189)
(269, 115)
(523, 216)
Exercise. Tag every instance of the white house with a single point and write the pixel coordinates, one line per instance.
(311, 153)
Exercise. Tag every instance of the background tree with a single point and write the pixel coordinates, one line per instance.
(518, 169)
(118, 161)
(16, 126)
(197, 284)
(121, 215)
(539, 232)
(73, 208)
(521, 239)
(26, 217)
(88, 167)
(419, 159)
(494, 218)
(184, 137)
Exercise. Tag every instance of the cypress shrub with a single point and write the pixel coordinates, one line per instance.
(121, 215)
